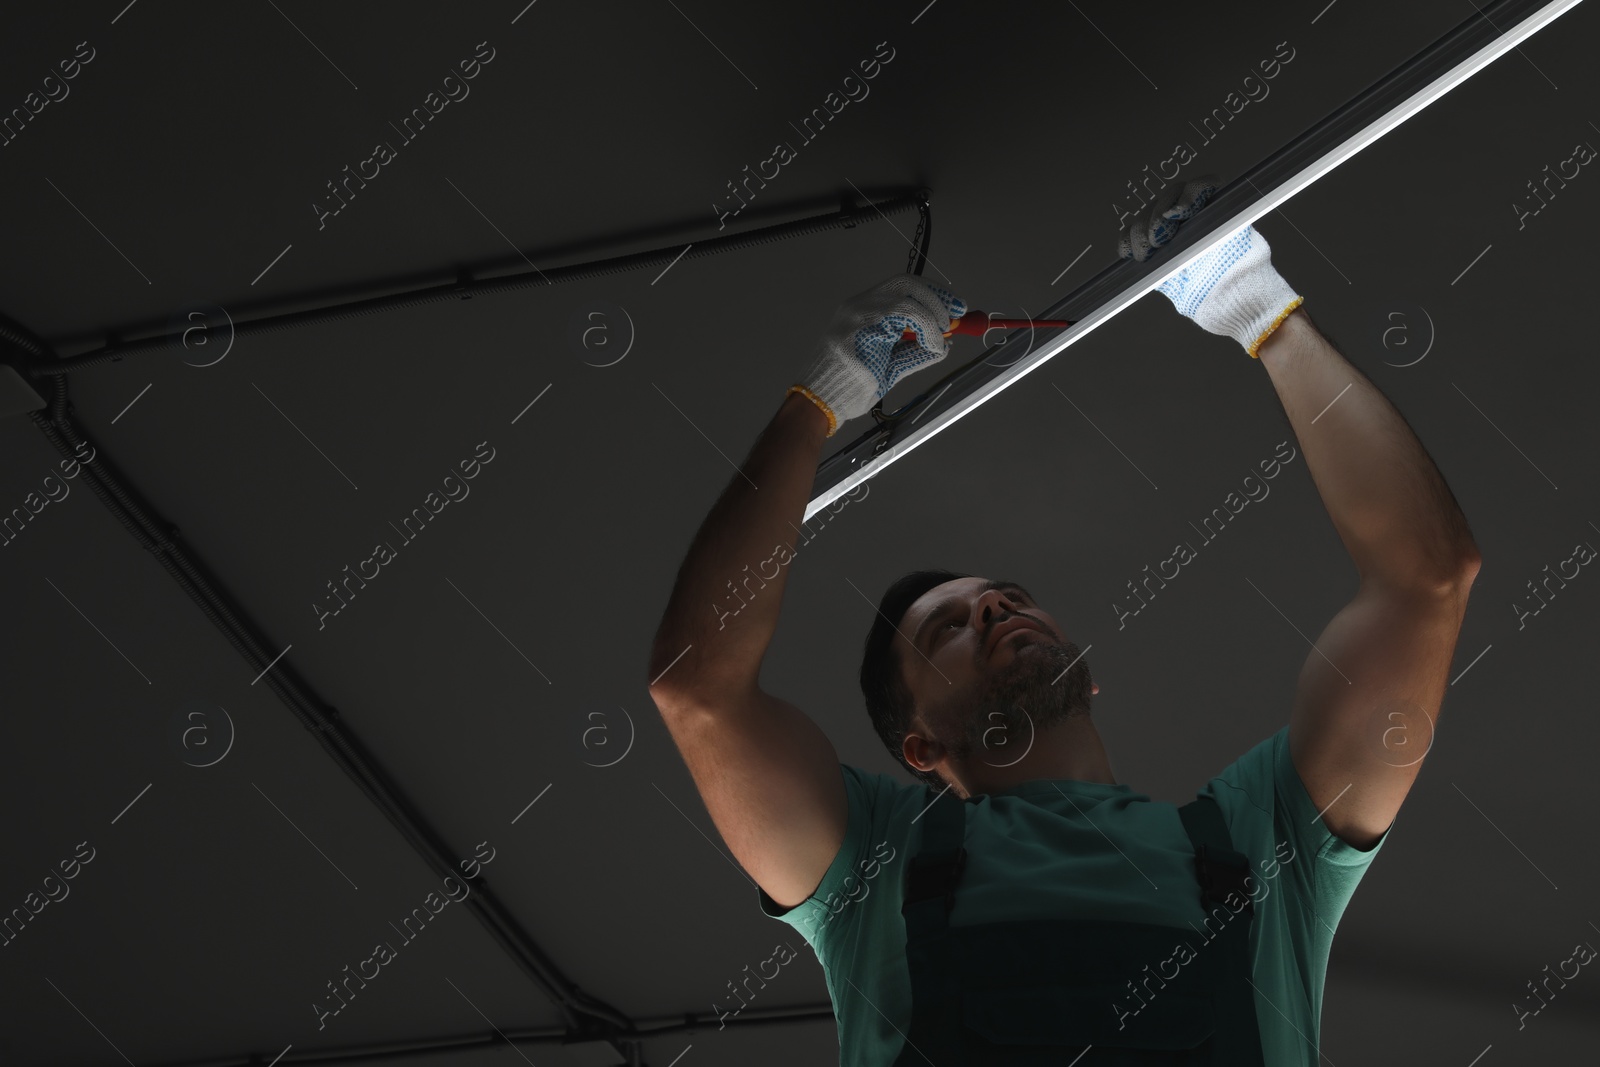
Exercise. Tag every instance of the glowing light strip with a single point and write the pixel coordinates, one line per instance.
(1438, 87)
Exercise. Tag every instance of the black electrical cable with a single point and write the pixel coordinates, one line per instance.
(916, 260)
(583, 1016)
(920, 240)
(846, 218)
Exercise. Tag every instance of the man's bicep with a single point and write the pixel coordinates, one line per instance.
(1367, 703)
(772, 783)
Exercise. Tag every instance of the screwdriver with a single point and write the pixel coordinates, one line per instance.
(978, 323)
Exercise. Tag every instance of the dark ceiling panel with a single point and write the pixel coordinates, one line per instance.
(182, 170)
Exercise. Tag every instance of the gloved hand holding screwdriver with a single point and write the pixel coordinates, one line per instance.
(865, 351)
(902, 325)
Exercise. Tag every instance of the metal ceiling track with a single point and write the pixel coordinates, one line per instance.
(261, 317)
(1492, 30)
(585, 1019)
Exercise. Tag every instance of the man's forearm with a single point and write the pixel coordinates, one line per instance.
(711, 640)
(1397, 517)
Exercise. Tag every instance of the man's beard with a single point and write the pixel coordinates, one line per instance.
(1029, 695)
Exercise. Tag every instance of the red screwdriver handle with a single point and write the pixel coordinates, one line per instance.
(978, 323)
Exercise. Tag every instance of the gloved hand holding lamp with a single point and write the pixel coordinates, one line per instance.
(899, 327)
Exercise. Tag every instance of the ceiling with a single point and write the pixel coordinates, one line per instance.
(182, 169)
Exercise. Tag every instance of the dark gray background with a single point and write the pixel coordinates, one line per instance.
(185, 160)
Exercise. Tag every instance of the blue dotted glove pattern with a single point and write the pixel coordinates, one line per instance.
(1157, 222)
(1189, 288)
(864, 350)
(883, 349)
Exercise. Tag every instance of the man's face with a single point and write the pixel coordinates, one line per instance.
(987, 669)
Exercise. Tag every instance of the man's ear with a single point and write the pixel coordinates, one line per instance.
(920, 752)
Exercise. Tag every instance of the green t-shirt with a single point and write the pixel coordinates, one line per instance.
(1058, 848)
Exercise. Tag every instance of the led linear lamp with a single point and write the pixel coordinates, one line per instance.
(1495, 29)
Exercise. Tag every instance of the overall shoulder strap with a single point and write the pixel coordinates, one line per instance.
(936, 869)
(932, 962)
(1220, 870)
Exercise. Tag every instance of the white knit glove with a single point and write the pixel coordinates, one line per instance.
(862, 354)
(1157, 222)
(1233, 290)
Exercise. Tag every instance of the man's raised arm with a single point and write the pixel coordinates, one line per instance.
(1368, 698)
(706, 642)
(711, 641)
(769, 776)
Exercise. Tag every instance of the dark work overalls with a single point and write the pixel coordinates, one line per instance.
(1042, 991)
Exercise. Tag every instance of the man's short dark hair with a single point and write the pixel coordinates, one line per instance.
(882, 683)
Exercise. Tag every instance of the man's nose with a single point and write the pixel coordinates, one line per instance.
(992, 608)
